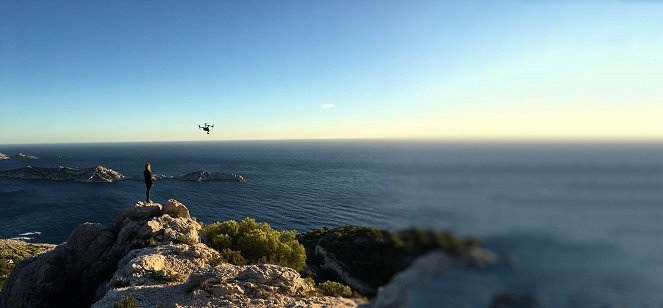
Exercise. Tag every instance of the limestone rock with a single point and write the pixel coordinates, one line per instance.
(176, 209)
(69, 275)
(224, 285)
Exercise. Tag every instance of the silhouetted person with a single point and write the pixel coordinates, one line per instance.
(148, 182)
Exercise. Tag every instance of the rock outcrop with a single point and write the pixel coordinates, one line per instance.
(204, 176)
(24, 156)
(17, 156)
(156, 255)
(94, 174)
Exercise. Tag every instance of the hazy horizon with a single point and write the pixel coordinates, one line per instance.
(439, 141)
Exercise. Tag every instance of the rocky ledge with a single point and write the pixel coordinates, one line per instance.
(154, 255)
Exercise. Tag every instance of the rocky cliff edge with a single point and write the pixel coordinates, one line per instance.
(156, 256)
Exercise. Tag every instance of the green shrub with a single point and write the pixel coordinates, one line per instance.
(128, 301)
(331, 288)
(187, 240)
(251, 242)
(310, 281)
(11, 252)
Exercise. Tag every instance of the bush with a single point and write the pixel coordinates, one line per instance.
(127, 301)
(331, 288)
(187, 240)
(251, 242)
(11, 252)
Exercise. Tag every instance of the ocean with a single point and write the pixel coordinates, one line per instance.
(583, 222)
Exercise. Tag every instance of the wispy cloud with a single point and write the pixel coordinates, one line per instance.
(327, 106)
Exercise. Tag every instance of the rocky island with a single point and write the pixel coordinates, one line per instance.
(17, 156)
(204, 176)
(94, 174)
(101, 174)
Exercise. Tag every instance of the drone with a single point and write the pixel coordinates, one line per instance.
(206, 127)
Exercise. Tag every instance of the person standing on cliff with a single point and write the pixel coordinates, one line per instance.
(148, 182)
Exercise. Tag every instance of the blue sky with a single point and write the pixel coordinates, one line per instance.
(93, 71)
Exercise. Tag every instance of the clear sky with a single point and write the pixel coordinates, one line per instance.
(95, 71)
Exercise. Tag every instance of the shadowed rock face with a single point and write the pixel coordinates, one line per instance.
(156, 254)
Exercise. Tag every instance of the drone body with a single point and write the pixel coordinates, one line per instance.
(206, 127)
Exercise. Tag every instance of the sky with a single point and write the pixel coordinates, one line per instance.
(106, 71)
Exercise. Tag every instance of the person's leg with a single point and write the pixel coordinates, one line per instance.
(147, 193)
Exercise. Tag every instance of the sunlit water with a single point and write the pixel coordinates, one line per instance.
(584, 221)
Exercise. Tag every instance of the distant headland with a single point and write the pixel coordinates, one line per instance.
(101, 174)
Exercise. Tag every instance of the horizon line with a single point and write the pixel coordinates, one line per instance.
(395, 139)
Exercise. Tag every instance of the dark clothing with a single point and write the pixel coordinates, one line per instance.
(148, 184)
(148, 177)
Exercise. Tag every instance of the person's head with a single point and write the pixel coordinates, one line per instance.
(147, 167)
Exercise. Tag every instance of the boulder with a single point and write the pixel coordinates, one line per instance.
(175, 209)
(70, 274)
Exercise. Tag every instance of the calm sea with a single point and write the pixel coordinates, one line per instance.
(584, 222)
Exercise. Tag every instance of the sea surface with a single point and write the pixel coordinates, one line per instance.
(581, 224)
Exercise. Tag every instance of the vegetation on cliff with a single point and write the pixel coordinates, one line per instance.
(251, 242)
(371, 255)
(13, 251)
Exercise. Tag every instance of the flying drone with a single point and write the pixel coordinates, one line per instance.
(206, 127)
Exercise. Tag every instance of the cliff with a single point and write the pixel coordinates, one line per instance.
(153, 255)
(332, 254)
